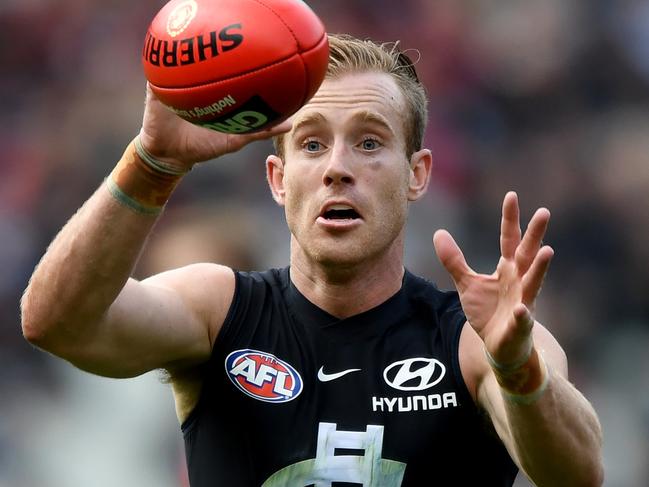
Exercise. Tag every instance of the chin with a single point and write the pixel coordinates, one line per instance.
(342, 256)
(334, 257)
(345, 250)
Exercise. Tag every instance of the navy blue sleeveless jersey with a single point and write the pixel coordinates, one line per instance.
(295, 397)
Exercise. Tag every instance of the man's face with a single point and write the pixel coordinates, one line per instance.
(345, 179)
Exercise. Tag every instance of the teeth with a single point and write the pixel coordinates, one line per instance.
(339, 207)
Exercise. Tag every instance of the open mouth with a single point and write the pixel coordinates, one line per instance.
(340, 212)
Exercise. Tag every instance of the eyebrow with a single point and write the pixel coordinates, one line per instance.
(368, 116)
(365, 116)
(309, 119)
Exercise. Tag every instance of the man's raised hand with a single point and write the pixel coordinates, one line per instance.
(499, 306)
(181, 144)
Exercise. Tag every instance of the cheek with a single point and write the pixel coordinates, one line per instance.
(392, 186)
(393, 199)
(296, 200)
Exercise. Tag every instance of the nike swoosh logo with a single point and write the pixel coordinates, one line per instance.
(327, 377)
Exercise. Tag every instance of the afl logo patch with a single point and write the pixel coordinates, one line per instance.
(263, 376)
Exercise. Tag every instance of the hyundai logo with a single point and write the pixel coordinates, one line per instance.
(414, 374)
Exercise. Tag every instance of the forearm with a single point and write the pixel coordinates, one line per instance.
(85, 267)
(556, 435)
(558, 438)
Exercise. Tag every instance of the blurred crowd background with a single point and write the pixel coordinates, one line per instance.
(549, 98)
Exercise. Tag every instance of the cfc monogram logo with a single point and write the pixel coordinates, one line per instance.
(370, 469)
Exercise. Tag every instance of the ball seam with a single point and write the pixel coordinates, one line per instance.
(297, 48)
(281, 20)
(227, 80)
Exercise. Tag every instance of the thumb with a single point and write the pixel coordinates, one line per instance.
(451, 257)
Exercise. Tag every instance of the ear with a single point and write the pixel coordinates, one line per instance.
(421, 164)
(275, 178)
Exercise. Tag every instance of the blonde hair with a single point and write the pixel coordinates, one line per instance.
(348, 54)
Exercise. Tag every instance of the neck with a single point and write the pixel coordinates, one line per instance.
(347, 290)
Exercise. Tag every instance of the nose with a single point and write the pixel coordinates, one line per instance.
(338, 170)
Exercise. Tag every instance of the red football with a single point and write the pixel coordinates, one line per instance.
(235, 66)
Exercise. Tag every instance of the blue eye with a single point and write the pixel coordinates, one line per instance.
(312, 146)
(370, 144)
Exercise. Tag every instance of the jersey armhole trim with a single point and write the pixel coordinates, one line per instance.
(191, 419)
(229, 317)
(465, 395)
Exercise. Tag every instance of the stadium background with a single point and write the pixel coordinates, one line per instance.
(548, 98)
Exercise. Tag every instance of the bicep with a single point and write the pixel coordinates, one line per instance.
(169, 320)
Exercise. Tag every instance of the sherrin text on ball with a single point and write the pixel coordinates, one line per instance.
(235, 66)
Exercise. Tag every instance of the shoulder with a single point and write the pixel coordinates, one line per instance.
(206, 289)
(425, 294)
(191, 273)
(256, 284)
(271, 277)
(195, 279)
(216, 283)
(441, 311)
(222, 292)
(252, 294)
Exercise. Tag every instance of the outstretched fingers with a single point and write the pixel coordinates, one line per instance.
(533, 278)
(532, 240)
(510, 228)
(452, 258)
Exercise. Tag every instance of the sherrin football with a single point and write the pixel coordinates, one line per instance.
(235, 66)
